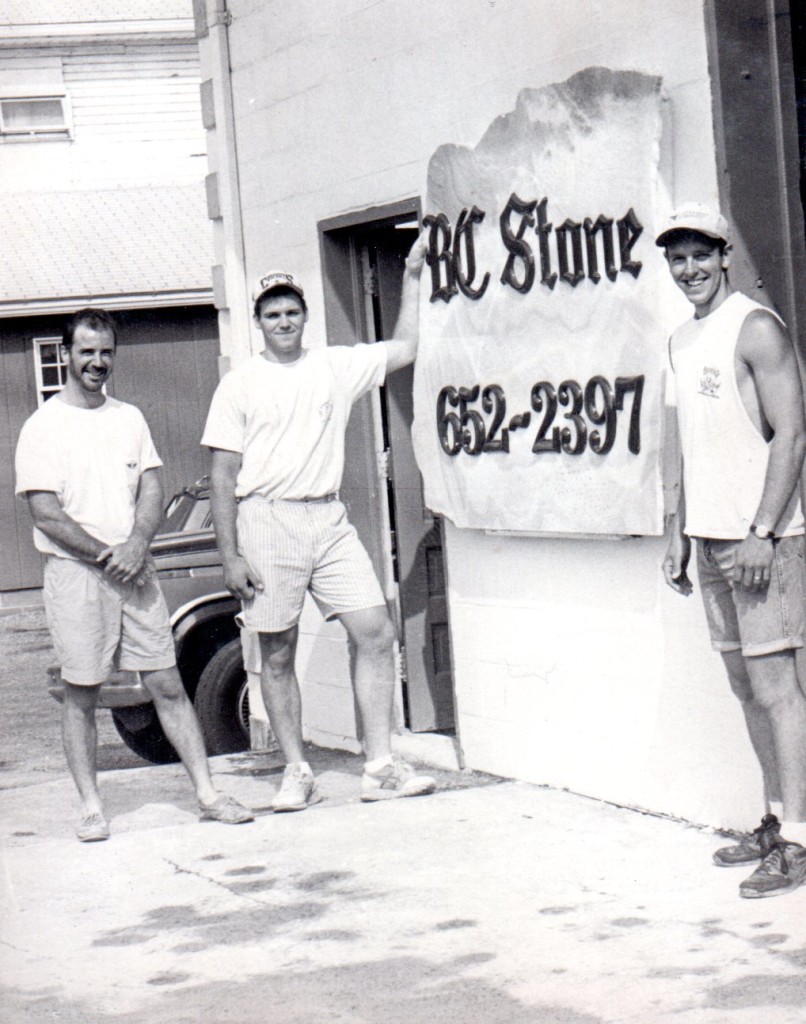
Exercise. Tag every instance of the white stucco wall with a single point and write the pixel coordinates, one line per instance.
(574, 665)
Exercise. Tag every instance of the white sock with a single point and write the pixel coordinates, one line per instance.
(378, 763)
(777, 808)
(794, 831)
(302, 766)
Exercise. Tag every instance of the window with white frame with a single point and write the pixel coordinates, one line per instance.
(34, 115)
(51, 369)
(34, 102)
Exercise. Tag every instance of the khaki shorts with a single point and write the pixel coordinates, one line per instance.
(299, 546)
(755, 623)
(98, 624)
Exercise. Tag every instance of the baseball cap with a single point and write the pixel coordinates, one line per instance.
(695, 217)
(273, 279)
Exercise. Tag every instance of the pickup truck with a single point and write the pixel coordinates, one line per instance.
(208, 646)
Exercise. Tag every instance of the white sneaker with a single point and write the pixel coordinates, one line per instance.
(297, 791)
(394, 780)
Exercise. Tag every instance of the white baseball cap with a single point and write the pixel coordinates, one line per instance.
(695, 217)
(274, 279)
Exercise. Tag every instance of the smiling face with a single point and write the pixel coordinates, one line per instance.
(281, 319)
(89, 363)
(698, 264)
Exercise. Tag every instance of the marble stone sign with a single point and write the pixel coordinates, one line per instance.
(538, 383)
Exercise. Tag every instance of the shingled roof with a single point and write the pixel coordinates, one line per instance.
(87, 12)
(123, 247)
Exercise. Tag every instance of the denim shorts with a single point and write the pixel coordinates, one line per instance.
(753, 622)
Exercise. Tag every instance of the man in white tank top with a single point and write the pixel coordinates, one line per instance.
(742, 434)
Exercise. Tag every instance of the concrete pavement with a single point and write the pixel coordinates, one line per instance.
(487, 902)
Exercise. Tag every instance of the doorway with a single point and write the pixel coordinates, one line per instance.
(363, 257)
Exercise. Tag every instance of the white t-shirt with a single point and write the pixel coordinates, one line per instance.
(288, 420)
(92, 459)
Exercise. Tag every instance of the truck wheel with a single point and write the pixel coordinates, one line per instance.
(222, 701)
(140, 730)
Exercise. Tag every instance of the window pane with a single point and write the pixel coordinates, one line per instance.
(48, 354)
(19, 115)
(50, 376)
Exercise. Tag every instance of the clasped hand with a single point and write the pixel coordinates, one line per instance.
(126, 562)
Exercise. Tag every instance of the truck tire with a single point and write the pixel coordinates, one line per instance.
(222, 701)
(141, 731)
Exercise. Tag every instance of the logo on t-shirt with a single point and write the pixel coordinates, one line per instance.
(710, 382)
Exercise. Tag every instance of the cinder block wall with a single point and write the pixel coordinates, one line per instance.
(339, 107)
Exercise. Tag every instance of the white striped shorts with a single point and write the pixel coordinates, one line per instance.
(299, 546)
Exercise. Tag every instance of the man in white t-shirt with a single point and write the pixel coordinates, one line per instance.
(89, 469)
(276, 429)
(742, 435)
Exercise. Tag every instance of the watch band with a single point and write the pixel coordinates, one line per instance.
(762, 532)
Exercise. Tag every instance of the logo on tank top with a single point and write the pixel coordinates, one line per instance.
(710, 382)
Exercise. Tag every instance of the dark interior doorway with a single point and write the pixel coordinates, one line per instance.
(362, 258)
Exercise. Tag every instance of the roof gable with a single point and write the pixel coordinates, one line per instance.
(125, 247)
(89, 12)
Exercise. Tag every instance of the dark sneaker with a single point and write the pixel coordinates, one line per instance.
(395, 780)
(783, 869)
(226, 810)
(297, 791)
(93, 828)
(753, 846)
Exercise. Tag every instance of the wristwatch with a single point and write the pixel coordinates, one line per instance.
(762, 532)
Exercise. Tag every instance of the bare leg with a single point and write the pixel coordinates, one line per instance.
(758, 722)
(280, 689)
(80, 738)
(181, 726)
(373, 634)
(776, 689)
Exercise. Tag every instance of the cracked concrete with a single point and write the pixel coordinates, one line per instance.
(487, 902)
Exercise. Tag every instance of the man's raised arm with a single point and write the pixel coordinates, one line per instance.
(402, 349)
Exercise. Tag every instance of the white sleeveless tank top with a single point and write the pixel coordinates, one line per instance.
(724, 454)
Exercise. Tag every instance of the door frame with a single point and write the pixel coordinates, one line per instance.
(349, 317)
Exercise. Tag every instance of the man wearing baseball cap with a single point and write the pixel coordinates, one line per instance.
(742, 436)
(276, 428)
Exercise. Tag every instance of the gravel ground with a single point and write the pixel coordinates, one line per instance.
(30, 740)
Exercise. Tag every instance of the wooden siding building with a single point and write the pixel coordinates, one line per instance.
(102, 158)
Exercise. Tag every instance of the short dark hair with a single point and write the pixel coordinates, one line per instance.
(687, 235)
(279, 291)
(95, 319)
